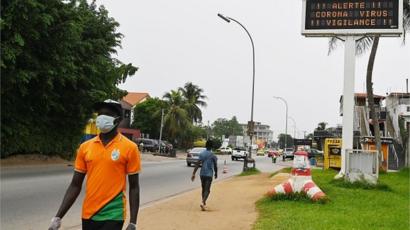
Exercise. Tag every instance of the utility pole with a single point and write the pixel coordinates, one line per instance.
(160, 131)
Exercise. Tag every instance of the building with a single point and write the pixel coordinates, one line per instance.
(128, 104)
(262, 133)
(398, 121)
(395, 111)
(362, 123)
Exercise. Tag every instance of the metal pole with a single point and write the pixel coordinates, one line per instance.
(160, 130)
(228, 19)
(286, 122)
(294, 127)
(348, 99)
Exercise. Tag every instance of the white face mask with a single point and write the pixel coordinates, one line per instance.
(105, 123)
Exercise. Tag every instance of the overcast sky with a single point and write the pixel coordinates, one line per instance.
(173, 42)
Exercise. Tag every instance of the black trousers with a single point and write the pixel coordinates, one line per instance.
(102, 225)
(206, 182)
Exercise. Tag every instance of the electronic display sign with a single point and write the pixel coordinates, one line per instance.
(352, 17)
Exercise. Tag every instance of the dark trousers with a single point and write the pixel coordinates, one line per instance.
(102, 225)
(206, 182)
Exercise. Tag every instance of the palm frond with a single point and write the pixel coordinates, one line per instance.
(363, 45)
(333, 43)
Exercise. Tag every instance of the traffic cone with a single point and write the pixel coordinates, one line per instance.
(225, 169)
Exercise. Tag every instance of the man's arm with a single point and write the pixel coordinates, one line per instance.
(134, 196)
(216, 167)
(72, 193)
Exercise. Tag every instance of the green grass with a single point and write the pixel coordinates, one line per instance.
(251, 171)
(349, 206)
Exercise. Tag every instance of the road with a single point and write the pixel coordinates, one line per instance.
(30, 196)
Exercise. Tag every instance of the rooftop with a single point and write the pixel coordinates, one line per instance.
(134, 98)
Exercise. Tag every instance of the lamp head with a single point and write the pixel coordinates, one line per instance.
(224, 18)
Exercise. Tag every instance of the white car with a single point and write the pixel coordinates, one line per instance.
(239, 153)
(225, 150)
(288, 153)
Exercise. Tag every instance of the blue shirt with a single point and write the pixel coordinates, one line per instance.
(208, 160)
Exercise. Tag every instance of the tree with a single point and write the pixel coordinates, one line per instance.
(176, 119)
(147, 116)
(321, 126)
(310, 136)
(56, 61)
(194, 99)
(281, 140)
(362, 46)
(224, 127)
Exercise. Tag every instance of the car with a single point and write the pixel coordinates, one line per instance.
(288, 153)
(192, 156)
(225, 150)
(146, 144)
(313, 153)
(239, 153)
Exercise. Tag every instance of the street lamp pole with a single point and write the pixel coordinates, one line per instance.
(286, 123)
(294, 126)
(251, 128)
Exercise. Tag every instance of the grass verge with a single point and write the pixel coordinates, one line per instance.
(350, 206)
(251, 171)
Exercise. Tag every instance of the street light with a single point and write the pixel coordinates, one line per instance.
(229, 19)
(286, 123)
(294, 126)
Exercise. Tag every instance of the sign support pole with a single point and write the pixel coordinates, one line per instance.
(348, 100)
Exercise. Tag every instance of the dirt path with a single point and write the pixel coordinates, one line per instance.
(231, 206)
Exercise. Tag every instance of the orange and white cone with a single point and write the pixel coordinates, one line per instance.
(313, 191)
(284, 188)
(300, 181)
(225, 169)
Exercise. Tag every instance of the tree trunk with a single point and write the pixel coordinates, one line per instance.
(370, 97)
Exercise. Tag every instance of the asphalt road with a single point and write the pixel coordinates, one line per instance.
(30, 196)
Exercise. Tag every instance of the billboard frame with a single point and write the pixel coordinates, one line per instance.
(396, 32)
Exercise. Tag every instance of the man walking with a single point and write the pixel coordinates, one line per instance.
(209, 166)
(106, 160)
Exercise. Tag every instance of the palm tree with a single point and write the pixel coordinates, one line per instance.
(194, 100)
(176, 118)
(361, 47)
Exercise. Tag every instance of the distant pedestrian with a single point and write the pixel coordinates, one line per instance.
(106, 160)
(208, 170)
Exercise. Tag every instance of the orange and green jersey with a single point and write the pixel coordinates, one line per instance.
(106, 168)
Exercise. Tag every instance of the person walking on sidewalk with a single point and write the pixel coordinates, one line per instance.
(209, 167)
(106, 160)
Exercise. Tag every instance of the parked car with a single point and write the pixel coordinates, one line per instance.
(146, 144)
(192, 156)
(288, 153)
(225, 150)
(239, 153)
(313, 153)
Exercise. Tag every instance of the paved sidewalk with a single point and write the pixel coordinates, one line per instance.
(231, 206)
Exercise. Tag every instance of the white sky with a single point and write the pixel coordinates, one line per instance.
(173, 42)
